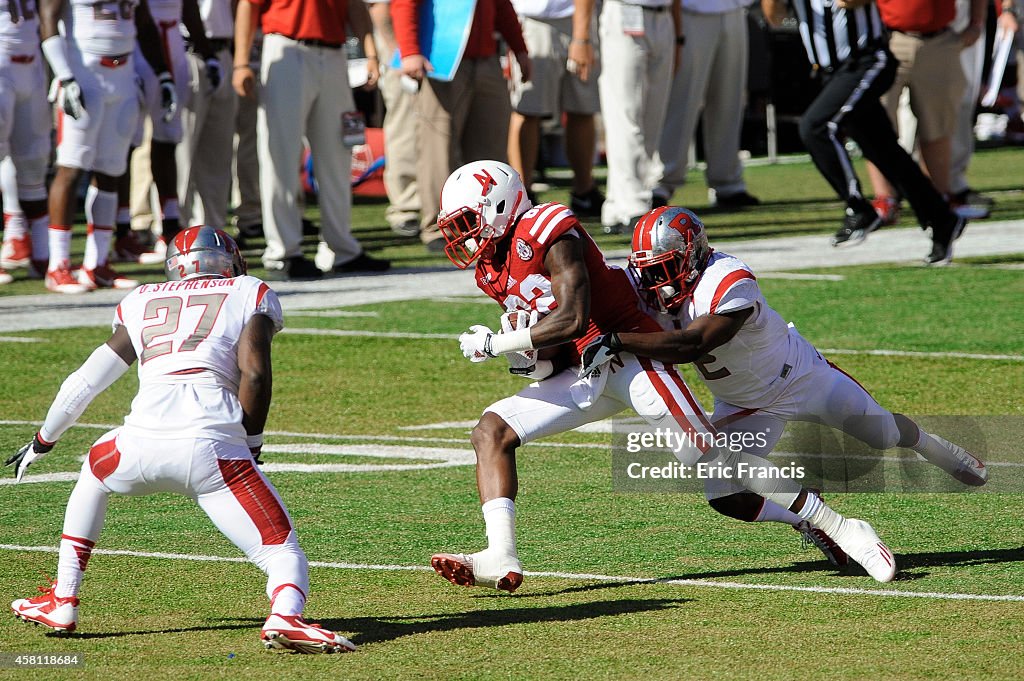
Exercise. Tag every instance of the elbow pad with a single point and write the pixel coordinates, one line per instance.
(103, 367)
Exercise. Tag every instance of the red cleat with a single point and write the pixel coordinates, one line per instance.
(60, 614)
(475, 570)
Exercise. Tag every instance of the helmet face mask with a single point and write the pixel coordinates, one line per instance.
(670, 252)
(203, 251)
(479, 202)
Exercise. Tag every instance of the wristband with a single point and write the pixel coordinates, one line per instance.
(585, 41)
(40, 445)
(242, 66)
(680, 40)
(254, 441)
(514, 341)
(57, 56)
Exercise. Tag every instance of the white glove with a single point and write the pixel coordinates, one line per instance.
(67, 94)
(214, 74)
(476, 343)
(168, 96)
(598, 353)
(27, 455)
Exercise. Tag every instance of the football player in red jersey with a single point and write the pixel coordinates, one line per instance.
(541, 266)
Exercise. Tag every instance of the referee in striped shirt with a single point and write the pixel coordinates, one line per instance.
(846, 43)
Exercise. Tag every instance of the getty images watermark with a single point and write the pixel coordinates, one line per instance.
(662, 458)
(679, 443)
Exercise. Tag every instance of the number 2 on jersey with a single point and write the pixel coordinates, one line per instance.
(211, 304)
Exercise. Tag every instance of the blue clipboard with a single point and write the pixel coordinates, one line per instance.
(444, 27)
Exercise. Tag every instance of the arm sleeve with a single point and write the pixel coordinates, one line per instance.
(405, 20)
(507, 23)
(103, 367)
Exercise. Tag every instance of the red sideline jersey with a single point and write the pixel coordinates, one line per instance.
(515, 275)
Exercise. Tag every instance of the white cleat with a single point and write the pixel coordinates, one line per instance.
(812, 536)
(965, 467)
(291, 632)
(60, 614)
(861, 543)
(484, 568)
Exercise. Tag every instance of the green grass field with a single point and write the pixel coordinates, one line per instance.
(742, 617)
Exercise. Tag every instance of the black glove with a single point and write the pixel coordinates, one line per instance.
(28, 454)
(168, 96)
(599, 353)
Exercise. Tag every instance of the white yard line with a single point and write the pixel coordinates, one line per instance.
(370, 334)
(21, 339)
(575, 576)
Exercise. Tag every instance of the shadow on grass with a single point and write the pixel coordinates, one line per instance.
(908, 563)
(382, 629)
(239, 623)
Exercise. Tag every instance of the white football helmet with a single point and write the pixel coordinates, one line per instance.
(201, 252)
(479, 202)
(670, 252)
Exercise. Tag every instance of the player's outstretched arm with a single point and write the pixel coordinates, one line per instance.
(703, 335)
(105, 365)
(256, 386)
(243, 79)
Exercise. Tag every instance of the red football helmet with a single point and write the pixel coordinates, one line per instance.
(202, 252)
(479, 202)
(670, 252)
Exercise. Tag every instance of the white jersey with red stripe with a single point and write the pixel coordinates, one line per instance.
(753, 366)
(185, 335)
(103, 27)
(19, 27)
(516, 277)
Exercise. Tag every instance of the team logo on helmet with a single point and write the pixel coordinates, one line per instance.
(670, 252)
(479, 203)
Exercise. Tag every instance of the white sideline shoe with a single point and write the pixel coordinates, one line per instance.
(291, 632)
(861, 543)
(484, 568)
(60, 614)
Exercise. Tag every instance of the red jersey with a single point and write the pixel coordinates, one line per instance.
(304, 19)
(488, 17)
(917, 16)
(515, 275)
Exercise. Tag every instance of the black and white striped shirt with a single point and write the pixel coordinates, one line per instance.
(831, 34)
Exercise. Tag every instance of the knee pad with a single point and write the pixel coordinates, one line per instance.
(743, 506)
(31, 179)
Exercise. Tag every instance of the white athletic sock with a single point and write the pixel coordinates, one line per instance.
(40, 227)
(500, 521)
(100, 211)
(60, 246)
(773, 513)
(72, 560)
(288, 600)
(14, 225)
(818, 514)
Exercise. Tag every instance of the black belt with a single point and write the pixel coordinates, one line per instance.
(923, 36)
(659, 8)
